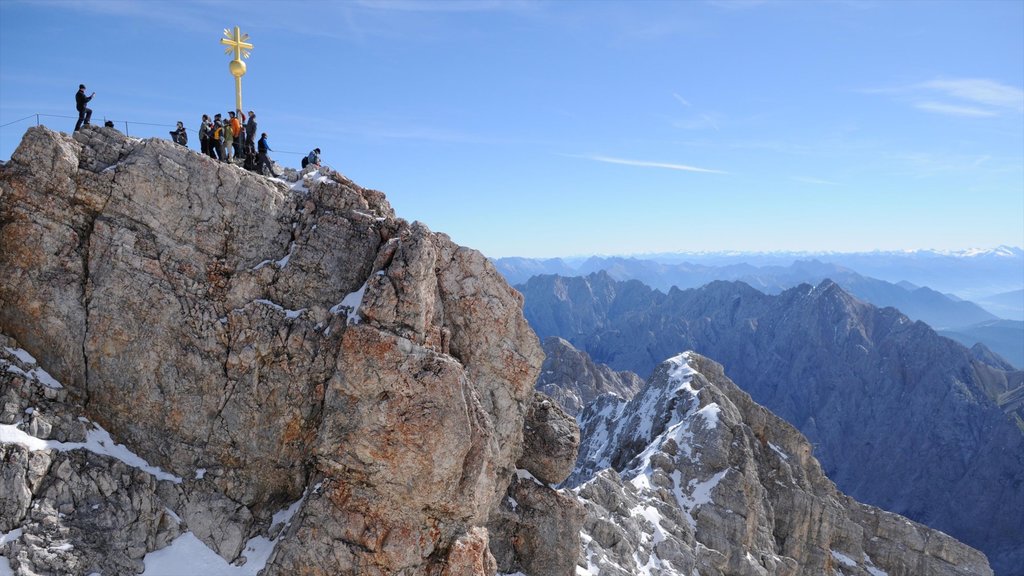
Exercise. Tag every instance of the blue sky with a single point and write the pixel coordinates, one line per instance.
(565, 128)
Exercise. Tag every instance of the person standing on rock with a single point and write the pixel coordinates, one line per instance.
(84, 113)
(264, 160)
(250, 134)
(229, 137)
(238, 133)
(204, 135)
(217, 139)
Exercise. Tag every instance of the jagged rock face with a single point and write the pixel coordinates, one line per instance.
(901, 418)
(536, 529)
(255, 339)
(574, 380)
(697, 478)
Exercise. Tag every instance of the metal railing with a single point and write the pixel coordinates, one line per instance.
(127, 126)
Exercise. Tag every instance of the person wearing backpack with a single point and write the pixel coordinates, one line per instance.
(217, 139)
(84, 113)
(312, 158)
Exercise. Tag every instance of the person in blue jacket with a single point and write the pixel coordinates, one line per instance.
(264, 160)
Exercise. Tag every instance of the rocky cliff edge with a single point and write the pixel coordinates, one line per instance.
(271, 351)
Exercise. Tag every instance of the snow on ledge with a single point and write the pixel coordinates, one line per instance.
(97, 440)
(37, 373)
(289, 314)
(187, 554)
(350, 304)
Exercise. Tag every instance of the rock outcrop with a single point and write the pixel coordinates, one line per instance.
(693, 477)
(267, 346)
(573, 380)
(901, 417)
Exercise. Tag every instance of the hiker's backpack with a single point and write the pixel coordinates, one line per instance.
(305, 162)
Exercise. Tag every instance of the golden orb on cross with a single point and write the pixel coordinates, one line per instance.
(237, 43)
(237, 68)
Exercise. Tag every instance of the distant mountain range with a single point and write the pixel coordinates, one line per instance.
(970, 274)
(901, 417)
(940, 311)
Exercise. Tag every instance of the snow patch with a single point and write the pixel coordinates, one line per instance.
(188, 555)
(778, 451)
(10, 536)
(37, 373)
(843, 559)
(97, 440)
(710, 414)
(350, 304)
(289, 314)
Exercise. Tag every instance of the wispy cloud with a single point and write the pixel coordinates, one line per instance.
(681, 100)
(649, 164)
(965, 97)
(953, 109)
(980, 91)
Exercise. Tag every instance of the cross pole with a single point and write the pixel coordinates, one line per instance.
(237, 43)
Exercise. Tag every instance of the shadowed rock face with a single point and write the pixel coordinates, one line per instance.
(693, 477)
(900, 417)
(572, 379)
(257, 340)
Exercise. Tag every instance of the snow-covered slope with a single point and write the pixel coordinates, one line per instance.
(692, 477)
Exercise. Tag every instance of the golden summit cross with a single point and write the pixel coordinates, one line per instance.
(237, 43)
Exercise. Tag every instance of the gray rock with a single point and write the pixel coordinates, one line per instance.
(551, 441)
(247, 336)
(574, 380)
(901, 417)
(703, 479)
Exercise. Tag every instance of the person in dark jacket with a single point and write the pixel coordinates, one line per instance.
(264, 160)
(204, 135)
(179, 135)
(313, 158)
(217, 139)
(250, 134)
(84, 113)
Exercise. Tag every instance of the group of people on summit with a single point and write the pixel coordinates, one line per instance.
(228, 140)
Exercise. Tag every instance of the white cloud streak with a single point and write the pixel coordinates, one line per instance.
(980, 91)
(964, 97)
(651, 164)
(953, 109)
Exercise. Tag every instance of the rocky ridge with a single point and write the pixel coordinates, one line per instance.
(572, 379)
(693, 477)
(901, 417)
(295, 371)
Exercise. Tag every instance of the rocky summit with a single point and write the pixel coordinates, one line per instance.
(692, 477)
(205, 371)
(283, 365)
